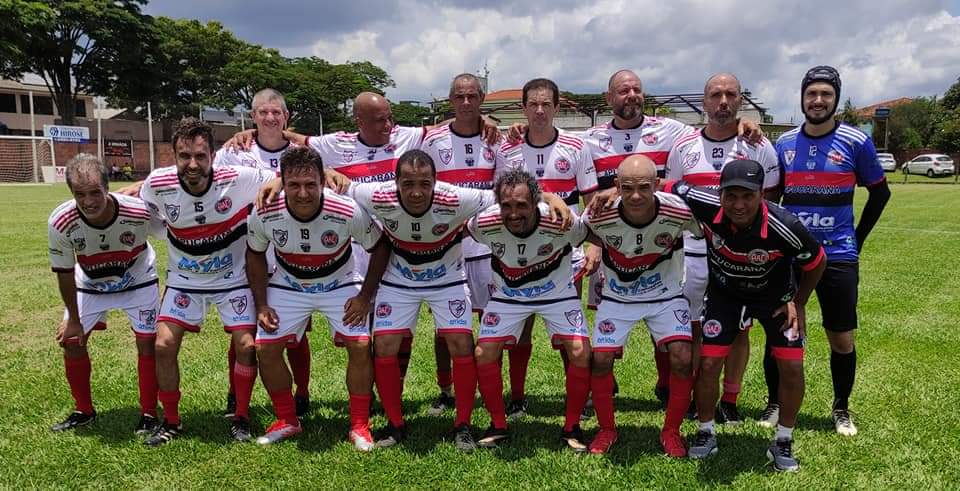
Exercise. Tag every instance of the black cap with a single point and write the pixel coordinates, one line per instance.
(822, 73)
(746, 174)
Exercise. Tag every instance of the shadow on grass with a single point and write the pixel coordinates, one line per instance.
(805, 420)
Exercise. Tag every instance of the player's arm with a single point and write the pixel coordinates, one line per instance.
(489, 130)
(772, 180)
(257, 243)
(870, 174)
(71, 328)
(749, 130)
(132, 189)
(704, 203)
(812, 262)
(357, 308)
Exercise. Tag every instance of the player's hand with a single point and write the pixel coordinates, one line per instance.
(592, 262)
(70, 329)
(602, 200)
(268, 193)
(336, 181)
(802, 320)
(515, 133)
(356, 310)
(267, 319)
(240, 141)
(490, 131)
(790, 327)
(131, 190)
(559, 211)
(749, 131)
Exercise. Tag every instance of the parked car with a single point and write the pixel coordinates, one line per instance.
(931, 164)
(887, 162)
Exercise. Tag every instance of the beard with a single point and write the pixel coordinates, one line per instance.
(628, 111)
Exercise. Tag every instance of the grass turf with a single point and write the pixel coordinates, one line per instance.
(904, 398)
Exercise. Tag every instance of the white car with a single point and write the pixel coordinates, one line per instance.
(887, 162)
(931, 164)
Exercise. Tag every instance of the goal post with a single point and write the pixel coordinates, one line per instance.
(23, 158)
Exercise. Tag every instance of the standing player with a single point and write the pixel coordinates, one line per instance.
(99, 250)
(310, 229)
(642, 240)
(753, 248)
(205, 209)
(698, 158)
(533, 275)
(823, 161)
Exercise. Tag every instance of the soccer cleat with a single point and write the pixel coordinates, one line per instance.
(463, 439)
(662, 394)
(443, 402)
(240, 430)
(843, 422)
(727, 414)
(673, 444)
(279, 431)
(75, 419)
(361, 439)
(780, 453)
(704, 445)
(770, 416)
(492, 437)
(517, 409)
(147, 425)
(390, 435)
(163, 434)
(603, 441)
(574, 439)
(303, 405)
(587, 412)
(231, 409)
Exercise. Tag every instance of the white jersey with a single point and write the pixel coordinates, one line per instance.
(533, 268)
(427, 250)
(313, 256)
(642, 263)
(698, 160)
(609, 145)
(205, 246)
(349, 155)
(562, 167)
(465, 161)
(109, 259)
(257, 157)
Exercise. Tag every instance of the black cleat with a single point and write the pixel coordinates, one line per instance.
(517, 409)
(727, 414)
(231, 409)
(443, 402)
(493, 436)
(663, 395)
(574, 439)
(147, 425)
(240, 430)
(389, 436)
(692, 411)
(303, 405)
(163, 434)
(75, 419)
(463, 439)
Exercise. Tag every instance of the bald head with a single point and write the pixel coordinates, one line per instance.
(619, 76)
(637, 168)
(722, 78)
(374, 119)
(367, 102)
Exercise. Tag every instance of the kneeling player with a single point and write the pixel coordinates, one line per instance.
(532, 275)
(99, 250)
(311, 231)
(752, 248)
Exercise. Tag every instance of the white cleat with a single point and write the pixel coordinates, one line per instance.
(843, 422)
(279, 431)
(361, 439)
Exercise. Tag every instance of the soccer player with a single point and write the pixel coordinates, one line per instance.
(753, 247)
(642, 239)
(823, 161)
(533, 275)
(698, 158)
(311, 229)
(205, 210)
(98, 248)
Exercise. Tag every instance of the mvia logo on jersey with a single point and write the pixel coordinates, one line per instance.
(329, 238)
(815, 220)
(440, 229)
(280, 236)
(649, 138)
(562, 165)
(224, 205)
(173, 212)
(128, 238)
(445, 155)
(457, 307)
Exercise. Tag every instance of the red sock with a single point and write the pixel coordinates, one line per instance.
(299, 357)
(519, 360)
(403, 358)
(444, 378)
(78, 376)
(244, 376)
(386, 371)
(491, 389)
(565, 359)
(464, 387)
(231, 361)
(730, 392)
(284, 407)
(578, 389)
(147, 378)
(359, 411)
(171, 406)
(602, 389)
(679, 401)
(662, 359)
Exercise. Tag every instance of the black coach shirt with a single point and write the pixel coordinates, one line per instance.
(753, 265)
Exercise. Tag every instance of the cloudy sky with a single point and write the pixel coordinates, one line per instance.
(884, 49)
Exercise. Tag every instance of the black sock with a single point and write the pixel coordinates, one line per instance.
(843, 368)
(771, 373)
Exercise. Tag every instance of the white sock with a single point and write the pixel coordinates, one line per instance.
(784, 433)
(707, 426)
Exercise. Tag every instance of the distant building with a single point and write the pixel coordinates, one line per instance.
(15, 107)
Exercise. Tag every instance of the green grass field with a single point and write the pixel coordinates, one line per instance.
(905, 400)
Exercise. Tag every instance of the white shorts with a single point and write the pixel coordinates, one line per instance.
(396, 310)
(187, 309)
(667, 321)
(140, 305)
(479, 281)
(595, 289)
(695, 284)
(502, 321)
(295, 308)
(361, 259)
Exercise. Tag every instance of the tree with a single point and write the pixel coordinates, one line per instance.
(19, 17)
(409, 114)
(951, 98)
(912, 125)
(849, 114)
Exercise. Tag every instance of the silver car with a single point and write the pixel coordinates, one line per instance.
(887, 162)
(931, 164)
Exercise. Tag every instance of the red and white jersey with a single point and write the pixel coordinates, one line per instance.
(533, 268)
(643, 263)
(313, 256)
(113, 258)
(609, 145)
(348, 155)
(205, 246)
(462, 160)
(698, 160)
(257, 157)
(562, 167)
(427, 250)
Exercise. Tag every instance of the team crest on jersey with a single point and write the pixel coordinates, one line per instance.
(128, 238)
(201, 219)
(521, 261)
(487, 154)
(445, 155)
(384, 310)
(649, 139)
(305, 246)
(717, 242)
(391, 224)
(457, 307)
(80, 243)
(690, 160)
(606, 327)
(605, 142)
(224, 205)
(329, 238)
(712, 328)
(682, 315)
(491, 319)
(348, 155)
(371, 154)
(788, 155)
(562, 165)
(239, 304)
(574, 317)
(173, 212)
(539, 173)
(498, 248)
(469, 161)
(758, 257)
(182, 300)
(148, 316)
(440, 229)
(835, 156)
(545, 250)
(280, 236)
(614, 240)
(664, 240)
(390, 148)
(628, 147)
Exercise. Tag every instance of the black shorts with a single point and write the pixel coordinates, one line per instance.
(837, 293)
(724, 318)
